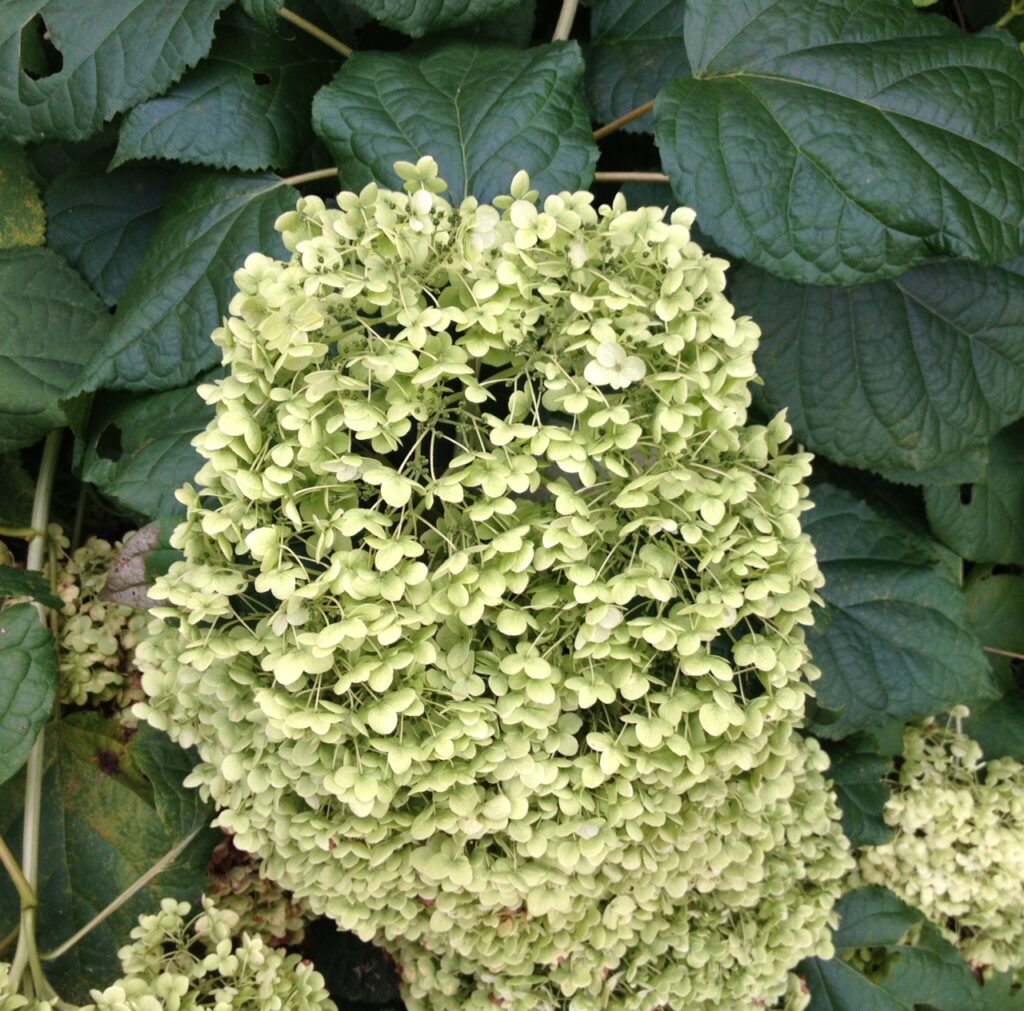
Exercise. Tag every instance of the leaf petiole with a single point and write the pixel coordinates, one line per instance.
(26, 954)
(137, 885)
(318, 33)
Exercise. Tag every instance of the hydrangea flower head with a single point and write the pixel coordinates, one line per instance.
(490, 625)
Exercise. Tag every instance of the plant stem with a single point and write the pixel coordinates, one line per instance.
(1003, 652)
(565, 19)
(22, 533)
(309, 177)
(318, 33)
(7, 941)
(616, 124)
(1015, 11)
(26, 893)
(26, 954)
(630, 177)
(161, 865)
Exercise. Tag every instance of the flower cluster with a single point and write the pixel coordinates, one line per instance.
(956, 854)
(179, 964)
(262, 907)
(490, 625)
(97, 636)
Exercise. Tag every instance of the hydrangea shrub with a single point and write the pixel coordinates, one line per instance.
(957, 852)
(490, 625)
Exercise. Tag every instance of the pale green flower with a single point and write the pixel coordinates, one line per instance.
(489, 630)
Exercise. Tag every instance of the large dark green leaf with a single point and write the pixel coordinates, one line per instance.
(483, 112)
(836, 986)
(893, 639)
(870, 917)
(101, 220)
(844, 142)
(635, 50)
(24, 583)
(931, 973)
(111, 55)
(984, 521)
(161, 334)
(51, 323)
(904, 374)
(861, 792)
(28, 683)
(417, 17)
(995, 605)
(139, 448)
(22, 219)
(113, 805)
(246, 106)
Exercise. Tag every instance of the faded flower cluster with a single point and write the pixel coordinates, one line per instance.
(97, 635)
(957, 852)
(179, 964)
(261, 906)
(490, 625)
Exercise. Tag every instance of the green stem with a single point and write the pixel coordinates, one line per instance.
(318, 33)
(1015, 11)
(630, 177)
(22, 533)
(565, 19)
(161, 865)
(615, 124)
(9, 939)
(26, 953)
(1003, 652)
(309, 177)
(26, 893)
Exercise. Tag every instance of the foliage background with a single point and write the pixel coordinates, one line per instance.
(858, 161)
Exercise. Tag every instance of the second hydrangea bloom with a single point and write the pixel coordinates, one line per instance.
(489, 628)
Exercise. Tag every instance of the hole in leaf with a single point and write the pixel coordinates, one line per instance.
(109, 445)
(39, 56)
(966, 491)
(260, 78)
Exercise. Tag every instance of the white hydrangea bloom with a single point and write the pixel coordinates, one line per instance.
(490, 625)
(958, 849)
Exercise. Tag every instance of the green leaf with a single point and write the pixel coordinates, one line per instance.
(861, 792)
(113, 805)
(932, 973)
(417, 17)
(264, 13)
(984, 521)
(22, 218)
(512, 27)
(111, 55)
(28, 683)
(161, 334)
(23, 583)
(995, 605)
(905, 374)
(483, 112)
(759, 139)
(872, 916)
(246, 106)
(635, 50)
(50, 324)
(893, 639)
(836, 986)
(101, 221)
(16, 492)
(139, 448)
